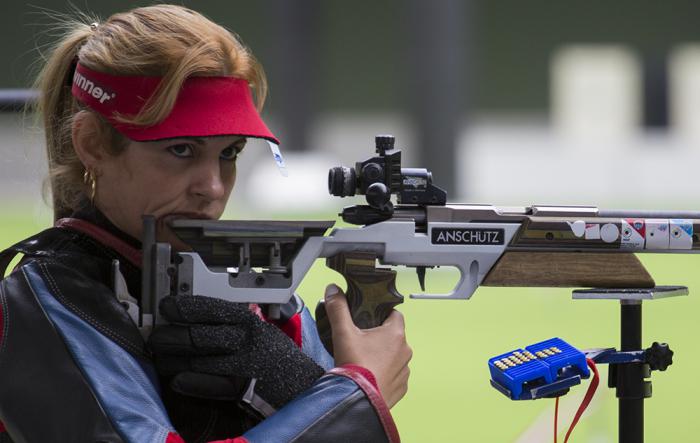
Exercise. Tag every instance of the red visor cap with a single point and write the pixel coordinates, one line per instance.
(205, 106)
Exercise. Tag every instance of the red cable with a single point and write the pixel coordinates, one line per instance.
(556, 417)
(586, 399)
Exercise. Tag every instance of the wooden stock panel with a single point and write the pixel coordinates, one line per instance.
(569, 269)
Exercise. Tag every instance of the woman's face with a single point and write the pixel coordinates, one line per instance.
(176, 178)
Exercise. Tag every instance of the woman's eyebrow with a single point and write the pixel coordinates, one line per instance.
(196, 140)
(202, 141)
(239, 144)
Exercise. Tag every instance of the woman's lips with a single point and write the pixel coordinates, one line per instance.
(164, 222)
(187, 215)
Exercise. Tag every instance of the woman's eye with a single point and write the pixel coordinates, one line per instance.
(230, 153)
(182, 151)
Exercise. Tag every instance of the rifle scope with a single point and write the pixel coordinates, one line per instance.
(381, 176)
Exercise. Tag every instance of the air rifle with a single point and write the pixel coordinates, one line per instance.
(264, 262)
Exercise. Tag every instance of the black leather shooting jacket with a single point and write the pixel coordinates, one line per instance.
(75, 368)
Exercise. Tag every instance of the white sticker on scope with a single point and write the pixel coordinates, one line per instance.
(592, 231)
(681, 234)
(609, 233)
(578, 227)
(632, 234)
(656, 234)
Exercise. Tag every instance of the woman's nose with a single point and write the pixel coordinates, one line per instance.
(207, 182)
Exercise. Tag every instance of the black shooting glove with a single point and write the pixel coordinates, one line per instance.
(214, 349)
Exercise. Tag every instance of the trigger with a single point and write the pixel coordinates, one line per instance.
(420, 270)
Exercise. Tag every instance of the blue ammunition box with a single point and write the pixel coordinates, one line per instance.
(516, 376)
(538, 370)
(568, 358)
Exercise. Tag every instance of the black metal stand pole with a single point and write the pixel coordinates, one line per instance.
(631, 386)
(630, 379)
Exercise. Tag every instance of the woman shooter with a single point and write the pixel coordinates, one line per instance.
(146, 113)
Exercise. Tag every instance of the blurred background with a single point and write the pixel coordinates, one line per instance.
(507, 102)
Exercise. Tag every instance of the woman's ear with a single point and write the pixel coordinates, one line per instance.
(88, 140)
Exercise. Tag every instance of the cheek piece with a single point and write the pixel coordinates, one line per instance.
(205, 106)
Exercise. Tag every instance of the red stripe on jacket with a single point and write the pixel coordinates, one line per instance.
(292, 328)
(2, 329)
(174, 438)
(364, 378)
(111, 241)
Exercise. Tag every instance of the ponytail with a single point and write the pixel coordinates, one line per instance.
(56, 108)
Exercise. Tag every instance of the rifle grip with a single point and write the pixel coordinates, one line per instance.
(371, 293)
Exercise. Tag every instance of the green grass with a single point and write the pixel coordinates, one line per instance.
(450, 399)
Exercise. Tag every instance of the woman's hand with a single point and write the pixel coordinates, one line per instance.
(383, 350)
(212, 348)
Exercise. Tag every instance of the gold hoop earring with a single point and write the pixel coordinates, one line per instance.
(90, 179)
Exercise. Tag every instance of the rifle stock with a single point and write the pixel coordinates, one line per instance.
(569, 269)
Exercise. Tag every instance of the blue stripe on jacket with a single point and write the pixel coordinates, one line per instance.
(311, 343)
(125, 388)
(316, 402)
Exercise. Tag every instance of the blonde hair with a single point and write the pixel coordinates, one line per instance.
(163, 40)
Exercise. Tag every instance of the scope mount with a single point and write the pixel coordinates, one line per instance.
(380, 177)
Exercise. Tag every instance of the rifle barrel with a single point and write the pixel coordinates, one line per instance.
(648, 213)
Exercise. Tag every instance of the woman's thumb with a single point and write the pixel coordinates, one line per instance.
(337, 308)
